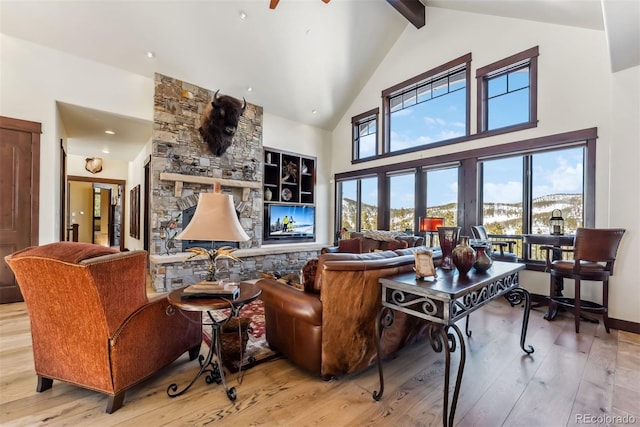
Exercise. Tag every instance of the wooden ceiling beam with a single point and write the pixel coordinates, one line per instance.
(413, 10)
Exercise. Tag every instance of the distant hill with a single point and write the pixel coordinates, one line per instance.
(499, 218)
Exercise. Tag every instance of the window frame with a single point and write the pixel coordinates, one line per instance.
(388, 93)
(483, 74)
(356, 121)
(468, 175)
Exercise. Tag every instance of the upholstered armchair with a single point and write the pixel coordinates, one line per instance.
(92, 324)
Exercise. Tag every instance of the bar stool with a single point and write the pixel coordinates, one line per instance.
(594, 254)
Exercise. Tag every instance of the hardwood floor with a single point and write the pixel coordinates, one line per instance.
(569, 378)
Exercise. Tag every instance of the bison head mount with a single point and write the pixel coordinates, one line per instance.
(220, 122)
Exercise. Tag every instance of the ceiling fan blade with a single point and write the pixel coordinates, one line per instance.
(326, 1)
(273, 4)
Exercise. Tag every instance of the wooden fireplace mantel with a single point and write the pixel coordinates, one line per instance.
(180, 179)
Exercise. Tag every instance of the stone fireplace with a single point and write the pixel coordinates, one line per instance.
(182, 167)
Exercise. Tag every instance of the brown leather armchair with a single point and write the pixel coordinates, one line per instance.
(92, 324)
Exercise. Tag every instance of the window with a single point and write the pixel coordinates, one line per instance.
(442, 194)
(402, 205)
(507, 92)
(358, 207)
(429, 108)
(513, 204)
(365, 131)
(512, 188)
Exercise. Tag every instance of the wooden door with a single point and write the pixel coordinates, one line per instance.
(19, 195)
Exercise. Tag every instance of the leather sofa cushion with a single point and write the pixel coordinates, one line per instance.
(309, 275)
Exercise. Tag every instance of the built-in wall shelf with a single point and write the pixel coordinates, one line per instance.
(179, 179)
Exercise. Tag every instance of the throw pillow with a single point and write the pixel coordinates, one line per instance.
(309, 276)
(353, 246)
(393, 245)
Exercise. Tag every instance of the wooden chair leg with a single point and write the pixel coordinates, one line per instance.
(115, 402)
(605, 304)
(44, 383)
(576, 308)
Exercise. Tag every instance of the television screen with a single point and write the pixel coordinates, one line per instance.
(291, 221)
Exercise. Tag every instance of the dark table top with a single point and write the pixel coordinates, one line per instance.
(449, 283)
(549, 239)
(248, 293)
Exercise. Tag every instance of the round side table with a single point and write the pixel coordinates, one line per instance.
(212, 363)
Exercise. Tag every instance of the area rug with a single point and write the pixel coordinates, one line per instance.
(257, 350)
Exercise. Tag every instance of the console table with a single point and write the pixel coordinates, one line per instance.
(443, 301)
(212, 364)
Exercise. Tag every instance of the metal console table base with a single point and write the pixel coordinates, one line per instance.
(443, 309)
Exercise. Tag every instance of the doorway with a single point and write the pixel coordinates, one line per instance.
(19, 195)
(95, 207)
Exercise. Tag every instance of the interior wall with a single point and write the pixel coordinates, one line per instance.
(135, 176)
(576, 90)
(35, 77)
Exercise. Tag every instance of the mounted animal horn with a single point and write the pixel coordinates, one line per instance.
(244, 105)
(216, 102)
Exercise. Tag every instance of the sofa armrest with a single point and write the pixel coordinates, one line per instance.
(291, 301)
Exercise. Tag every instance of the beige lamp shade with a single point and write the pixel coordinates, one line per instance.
(215, 219)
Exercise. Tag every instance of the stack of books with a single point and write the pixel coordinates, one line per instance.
(229, 290)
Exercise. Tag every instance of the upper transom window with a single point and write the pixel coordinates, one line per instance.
(507, 92)
(428, 108)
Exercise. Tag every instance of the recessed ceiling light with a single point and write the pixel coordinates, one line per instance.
(249, 89)
(243, 15)
(313, 111)
(109, 132)
(105, 150)
(151, 55)
(308, 31)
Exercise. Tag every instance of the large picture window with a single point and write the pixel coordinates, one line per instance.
(442, 194)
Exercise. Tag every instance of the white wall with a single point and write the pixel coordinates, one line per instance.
(136, 177)
(33, 78)
(576, 91)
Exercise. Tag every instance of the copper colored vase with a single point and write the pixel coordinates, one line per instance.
(448, 237)
(463, 256)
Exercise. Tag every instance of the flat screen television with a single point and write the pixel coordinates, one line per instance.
(290, 223)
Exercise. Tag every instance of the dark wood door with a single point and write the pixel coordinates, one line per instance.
(19, 195)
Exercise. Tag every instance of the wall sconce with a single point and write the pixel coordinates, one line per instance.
(430, 225)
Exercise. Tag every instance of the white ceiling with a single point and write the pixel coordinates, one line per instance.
(305, 60)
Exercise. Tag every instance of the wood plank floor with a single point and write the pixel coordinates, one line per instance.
(569, 378)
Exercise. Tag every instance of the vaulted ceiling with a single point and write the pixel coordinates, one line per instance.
(304, 60)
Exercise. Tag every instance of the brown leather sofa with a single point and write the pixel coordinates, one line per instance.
(367, 244)
(92, 324)
(328, 329)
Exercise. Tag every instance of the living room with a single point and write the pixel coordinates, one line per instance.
(35, 78)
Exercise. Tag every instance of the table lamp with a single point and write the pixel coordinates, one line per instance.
(215, 219)
(430, 225)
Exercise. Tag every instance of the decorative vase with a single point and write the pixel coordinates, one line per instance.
(483, 261)
(448, 237)
(463, 256)
(268, 195)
